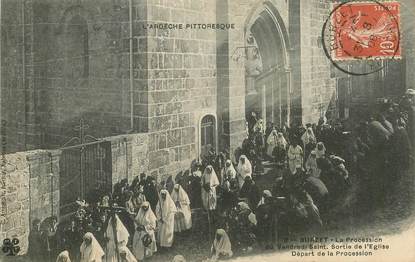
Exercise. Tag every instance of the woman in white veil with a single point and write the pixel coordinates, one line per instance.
(126, 255)
(91, 250)
(209, 183)
(271, 142)
(320, 150)
(63, 257)
(121, 239)
(183, 218)
(146, 223)
(230, 169)
(221, 247)
(244, 169)
(165, 211)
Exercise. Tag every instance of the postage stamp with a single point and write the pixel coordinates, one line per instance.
(365, 30)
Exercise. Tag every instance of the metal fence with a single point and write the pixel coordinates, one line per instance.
(84, 168)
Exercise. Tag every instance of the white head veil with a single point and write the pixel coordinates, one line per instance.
(245, 168)
(308, 136)
(281, 139)
(166, 206)
(93, 251)
(230, 170)
(121, 231)
(223, 245)
(63, 257)
(146, 217)
(180, 195)
(213, 178)
(128, 255)
(178, 258)
(322, 152)
(267, 193)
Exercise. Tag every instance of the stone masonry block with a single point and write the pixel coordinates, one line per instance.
(173, 137)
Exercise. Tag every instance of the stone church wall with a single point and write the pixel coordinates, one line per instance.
(81, 67)
(182, 84)
(129, 156)
(77, 66)
(317, 85)
(27, 192)
(16, 86)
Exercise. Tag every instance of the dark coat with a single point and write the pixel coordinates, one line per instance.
(401, 149)
(151, 193)
(252, 193)
(36, 247)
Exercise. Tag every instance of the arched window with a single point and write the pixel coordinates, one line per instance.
(76, 45)
(207, 134)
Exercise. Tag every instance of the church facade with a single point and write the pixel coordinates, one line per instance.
(97, 69)
(96, 91)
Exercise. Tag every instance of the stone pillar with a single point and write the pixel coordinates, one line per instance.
(294, 30)
(230, 79)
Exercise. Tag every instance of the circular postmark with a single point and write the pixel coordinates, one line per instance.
(362, 33)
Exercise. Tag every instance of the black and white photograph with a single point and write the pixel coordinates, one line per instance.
(207, 130)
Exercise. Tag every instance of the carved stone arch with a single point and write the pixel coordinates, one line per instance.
(268, 92)
(266, 10)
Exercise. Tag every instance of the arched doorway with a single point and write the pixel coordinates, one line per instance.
(207, 134)
(267, 67)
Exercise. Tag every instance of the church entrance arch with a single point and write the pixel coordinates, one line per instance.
(267, 66)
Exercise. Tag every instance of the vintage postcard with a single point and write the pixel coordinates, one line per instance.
(207, 130)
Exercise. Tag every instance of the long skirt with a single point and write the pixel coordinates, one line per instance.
(182, 220)
(139, 250)
(166, 232)
(209, 199)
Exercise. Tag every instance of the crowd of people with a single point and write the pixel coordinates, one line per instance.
(321, 170)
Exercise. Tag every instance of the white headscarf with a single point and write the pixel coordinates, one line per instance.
(230, 171)
(322, 152)
(272, 138)
(180, 195)
(259, 126)
(246, 168)
(213, 178)
(267, 193)
(410, 92)
(63, 257)
(223, 245)
(92, 252)
(311, 164)
(281, 139)
(146, 218)
(122, 232)
(178, 258)
(243, 206)
(166, 206)
(251, 216)
(308, 136)
(129, 256)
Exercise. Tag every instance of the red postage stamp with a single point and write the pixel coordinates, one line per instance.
(366, 30)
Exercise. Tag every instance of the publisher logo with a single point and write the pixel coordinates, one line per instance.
(11, 246)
